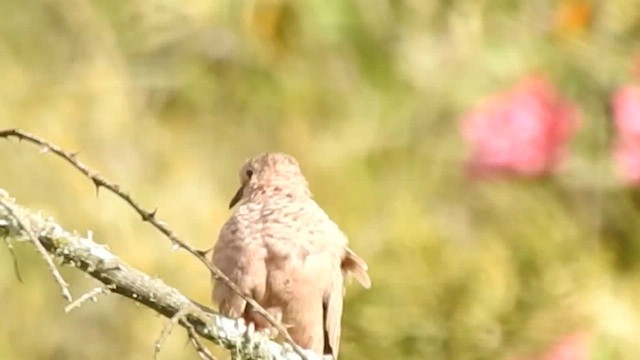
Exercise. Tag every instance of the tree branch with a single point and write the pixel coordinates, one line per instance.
(150, 217)
(17, 224)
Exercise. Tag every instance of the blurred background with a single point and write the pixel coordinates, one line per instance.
(482, 156)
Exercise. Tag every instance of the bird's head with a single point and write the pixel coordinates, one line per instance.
(275, 171)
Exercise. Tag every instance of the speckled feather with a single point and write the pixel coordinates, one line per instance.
(282, 249)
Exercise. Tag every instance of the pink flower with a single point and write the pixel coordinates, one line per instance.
(626, 111)
(574, 346)
(522, 131)
(627, 158)
(626, 116)
(571, 347)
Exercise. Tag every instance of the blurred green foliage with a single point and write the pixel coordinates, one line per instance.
(168, 97)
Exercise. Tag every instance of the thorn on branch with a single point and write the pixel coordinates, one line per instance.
(204, 253)
(97, 184)
(148, 216)
(9, 133)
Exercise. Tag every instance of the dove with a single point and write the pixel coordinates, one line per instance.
(284, 251)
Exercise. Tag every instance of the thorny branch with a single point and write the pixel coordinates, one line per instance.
(150, 217)
(16, 225)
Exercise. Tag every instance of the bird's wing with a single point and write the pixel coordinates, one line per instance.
(332, 306)
(241, 263)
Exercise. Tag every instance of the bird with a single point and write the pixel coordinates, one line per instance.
(280, 248)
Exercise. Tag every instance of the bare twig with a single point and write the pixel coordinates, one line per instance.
(120, 278)
(201, 350)
(14, 258)
(64, 287)
(166, 331)
(180, 318)
(150, 217)
(91, 295)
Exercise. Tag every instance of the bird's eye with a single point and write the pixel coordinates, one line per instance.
(249, 173)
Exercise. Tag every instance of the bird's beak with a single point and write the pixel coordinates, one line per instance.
(237, 196)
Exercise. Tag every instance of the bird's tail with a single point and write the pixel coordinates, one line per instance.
(353, 265)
